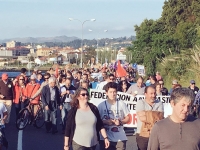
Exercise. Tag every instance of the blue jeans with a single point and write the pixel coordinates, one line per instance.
(51, 119)
(19, 107)
(64, 112)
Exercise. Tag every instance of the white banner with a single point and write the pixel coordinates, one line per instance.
(98, 96)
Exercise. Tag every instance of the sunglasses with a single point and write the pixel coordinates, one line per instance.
(21, 79)
(84, 94)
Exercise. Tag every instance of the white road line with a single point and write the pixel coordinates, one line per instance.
(20, 136)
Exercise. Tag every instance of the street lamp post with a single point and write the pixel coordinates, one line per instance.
(106, 43)
(82, 23)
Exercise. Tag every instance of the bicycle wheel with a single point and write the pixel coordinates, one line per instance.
(22, 119)
(39, 118)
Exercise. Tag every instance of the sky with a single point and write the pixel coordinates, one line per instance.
(49, 18)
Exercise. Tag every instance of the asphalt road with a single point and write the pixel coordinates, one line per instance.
(38, 139)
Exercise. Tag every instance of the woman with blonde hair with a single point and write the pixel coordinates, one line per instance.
(83, 124)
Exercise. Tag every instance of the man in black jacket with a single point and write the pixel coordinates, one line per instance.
(164, 90)
(51, 100)
(6, 94)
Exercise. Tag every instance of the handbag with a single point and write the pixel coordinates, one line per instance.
(152, 118)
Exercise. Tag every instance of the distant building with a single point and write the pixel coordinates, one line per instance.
(73, 56)
(41, 60)
(20, 51)
(39, 46)
(65, 50)
(3, 45)
(32, 50)
(23, 59)
(44, 51)
(13, 44)
(5, 52)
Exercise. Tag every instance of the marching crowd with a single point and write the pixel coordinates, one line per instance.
(84, 125)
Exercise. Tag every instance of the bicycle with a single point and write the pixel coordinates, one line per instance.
(26, 115)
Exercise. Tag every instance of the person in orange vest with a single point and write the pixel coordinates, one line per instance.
(31, 88)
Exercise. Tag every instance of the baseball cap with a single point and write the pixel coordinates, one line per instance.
(174, 82)
(192, 81)
(4, 76)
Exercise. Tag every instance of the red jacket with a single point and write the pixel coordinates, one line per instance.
(31, 89)
(18, 90)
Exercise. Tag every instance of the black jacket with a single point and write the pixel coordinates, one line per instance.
(6, 90)
(46, 95)
(71, 125)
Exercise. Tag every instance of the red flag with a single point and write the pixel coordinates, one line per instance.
(120, 72)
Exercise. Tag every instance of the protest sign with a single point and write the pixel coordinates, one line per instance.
(141, 70)
(98, 96)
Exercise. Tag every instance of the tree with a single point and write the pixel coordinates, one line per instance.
(177, 29)
(88, 54)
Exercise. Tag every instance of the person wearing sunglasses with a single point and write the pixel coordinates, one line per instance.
(19, 93)
(83, 118)
(164, 90)
(23, 73)
(193, 87)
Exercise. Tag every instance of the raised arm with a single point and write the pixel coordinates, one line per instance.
(38, 91)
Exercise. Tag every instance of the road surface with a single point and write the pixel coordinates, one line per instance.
(32, 138)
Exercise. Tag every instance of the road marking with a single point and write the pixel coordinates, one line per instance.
(20, 136)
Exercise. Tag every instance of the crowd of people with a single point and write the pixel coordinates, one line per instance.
(84, 125)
